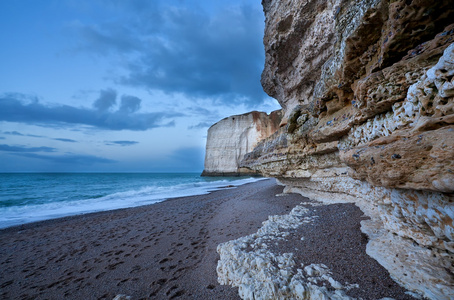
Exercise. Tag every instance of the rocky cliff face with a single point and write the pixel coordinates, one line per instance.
(367, 92)
(231, 138)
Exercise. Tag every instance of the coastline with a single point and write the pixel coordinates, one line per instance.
(57, 195)
(165, 250)
(159, 251)
(230, 174)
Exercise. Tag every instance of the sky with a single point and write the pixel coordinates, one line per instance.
(124, 86)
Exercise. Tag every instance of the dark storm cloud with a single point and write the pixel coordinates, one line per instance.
(180, 49)
(73, 159)
(25, 149)
(121, 143)
(14, 109)
(65, 140)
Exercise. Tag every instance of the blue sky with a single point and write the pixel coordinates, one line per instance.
(123, 86)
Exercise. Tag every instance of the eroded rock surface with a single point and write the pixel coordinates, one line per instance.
(367, 91)
(283, 260)
(249, 264)
(231, 138)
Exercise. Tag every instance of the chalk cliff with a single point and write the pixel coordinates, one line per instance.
(231, 138)
(367, 91)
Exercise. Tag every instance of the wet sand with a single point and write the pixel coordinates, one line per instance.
(168, 250)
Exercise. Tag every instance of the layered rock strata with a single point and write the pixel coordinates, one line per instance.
(367, 91)
(231, 138)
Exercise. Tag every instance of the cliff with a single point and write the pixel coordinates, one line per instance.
(231, 138)
(367, 92)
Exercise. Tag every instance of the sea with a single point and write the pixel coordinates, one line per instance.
(31, 197)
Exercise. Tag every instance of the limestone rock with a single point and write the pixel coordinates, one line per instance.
(250, 264)
(231, 138)
(367, 91)
(420, 160)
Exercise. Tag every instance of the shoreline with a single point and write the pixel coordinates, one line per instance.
(165, 250)
(27, 214)
(159, 251)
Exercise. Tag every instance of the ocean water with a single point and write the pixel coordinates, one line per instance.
(30, 197)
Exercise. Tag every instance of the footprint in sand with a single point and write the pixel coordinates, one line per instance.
(114, 266)
(158, 285)
(161, 281)
(174, 287)
(135, 269)
(122, 281)
(165, 260)
(177, 294)
(5, 284)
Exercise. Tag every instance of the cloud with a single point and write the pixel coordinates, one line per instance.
(117, 38)
(106, 100)
(13, 133)
(65, 140)
(184, 49)
(201, 125)
(129, 104)
(24, 149)
(73, 159)
(202, 111)
(170, 124)
(21, 134)
(16, 133)
(14, 109)
(121, 143)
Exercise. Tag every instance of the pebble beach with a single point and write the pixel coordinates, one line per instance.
(168, 250)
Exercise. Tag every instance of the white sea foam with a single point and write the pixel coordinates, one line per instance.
(153, 193)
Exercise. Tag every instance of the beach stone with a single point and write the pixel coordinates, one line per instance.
(122, 297)
(367, 96)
